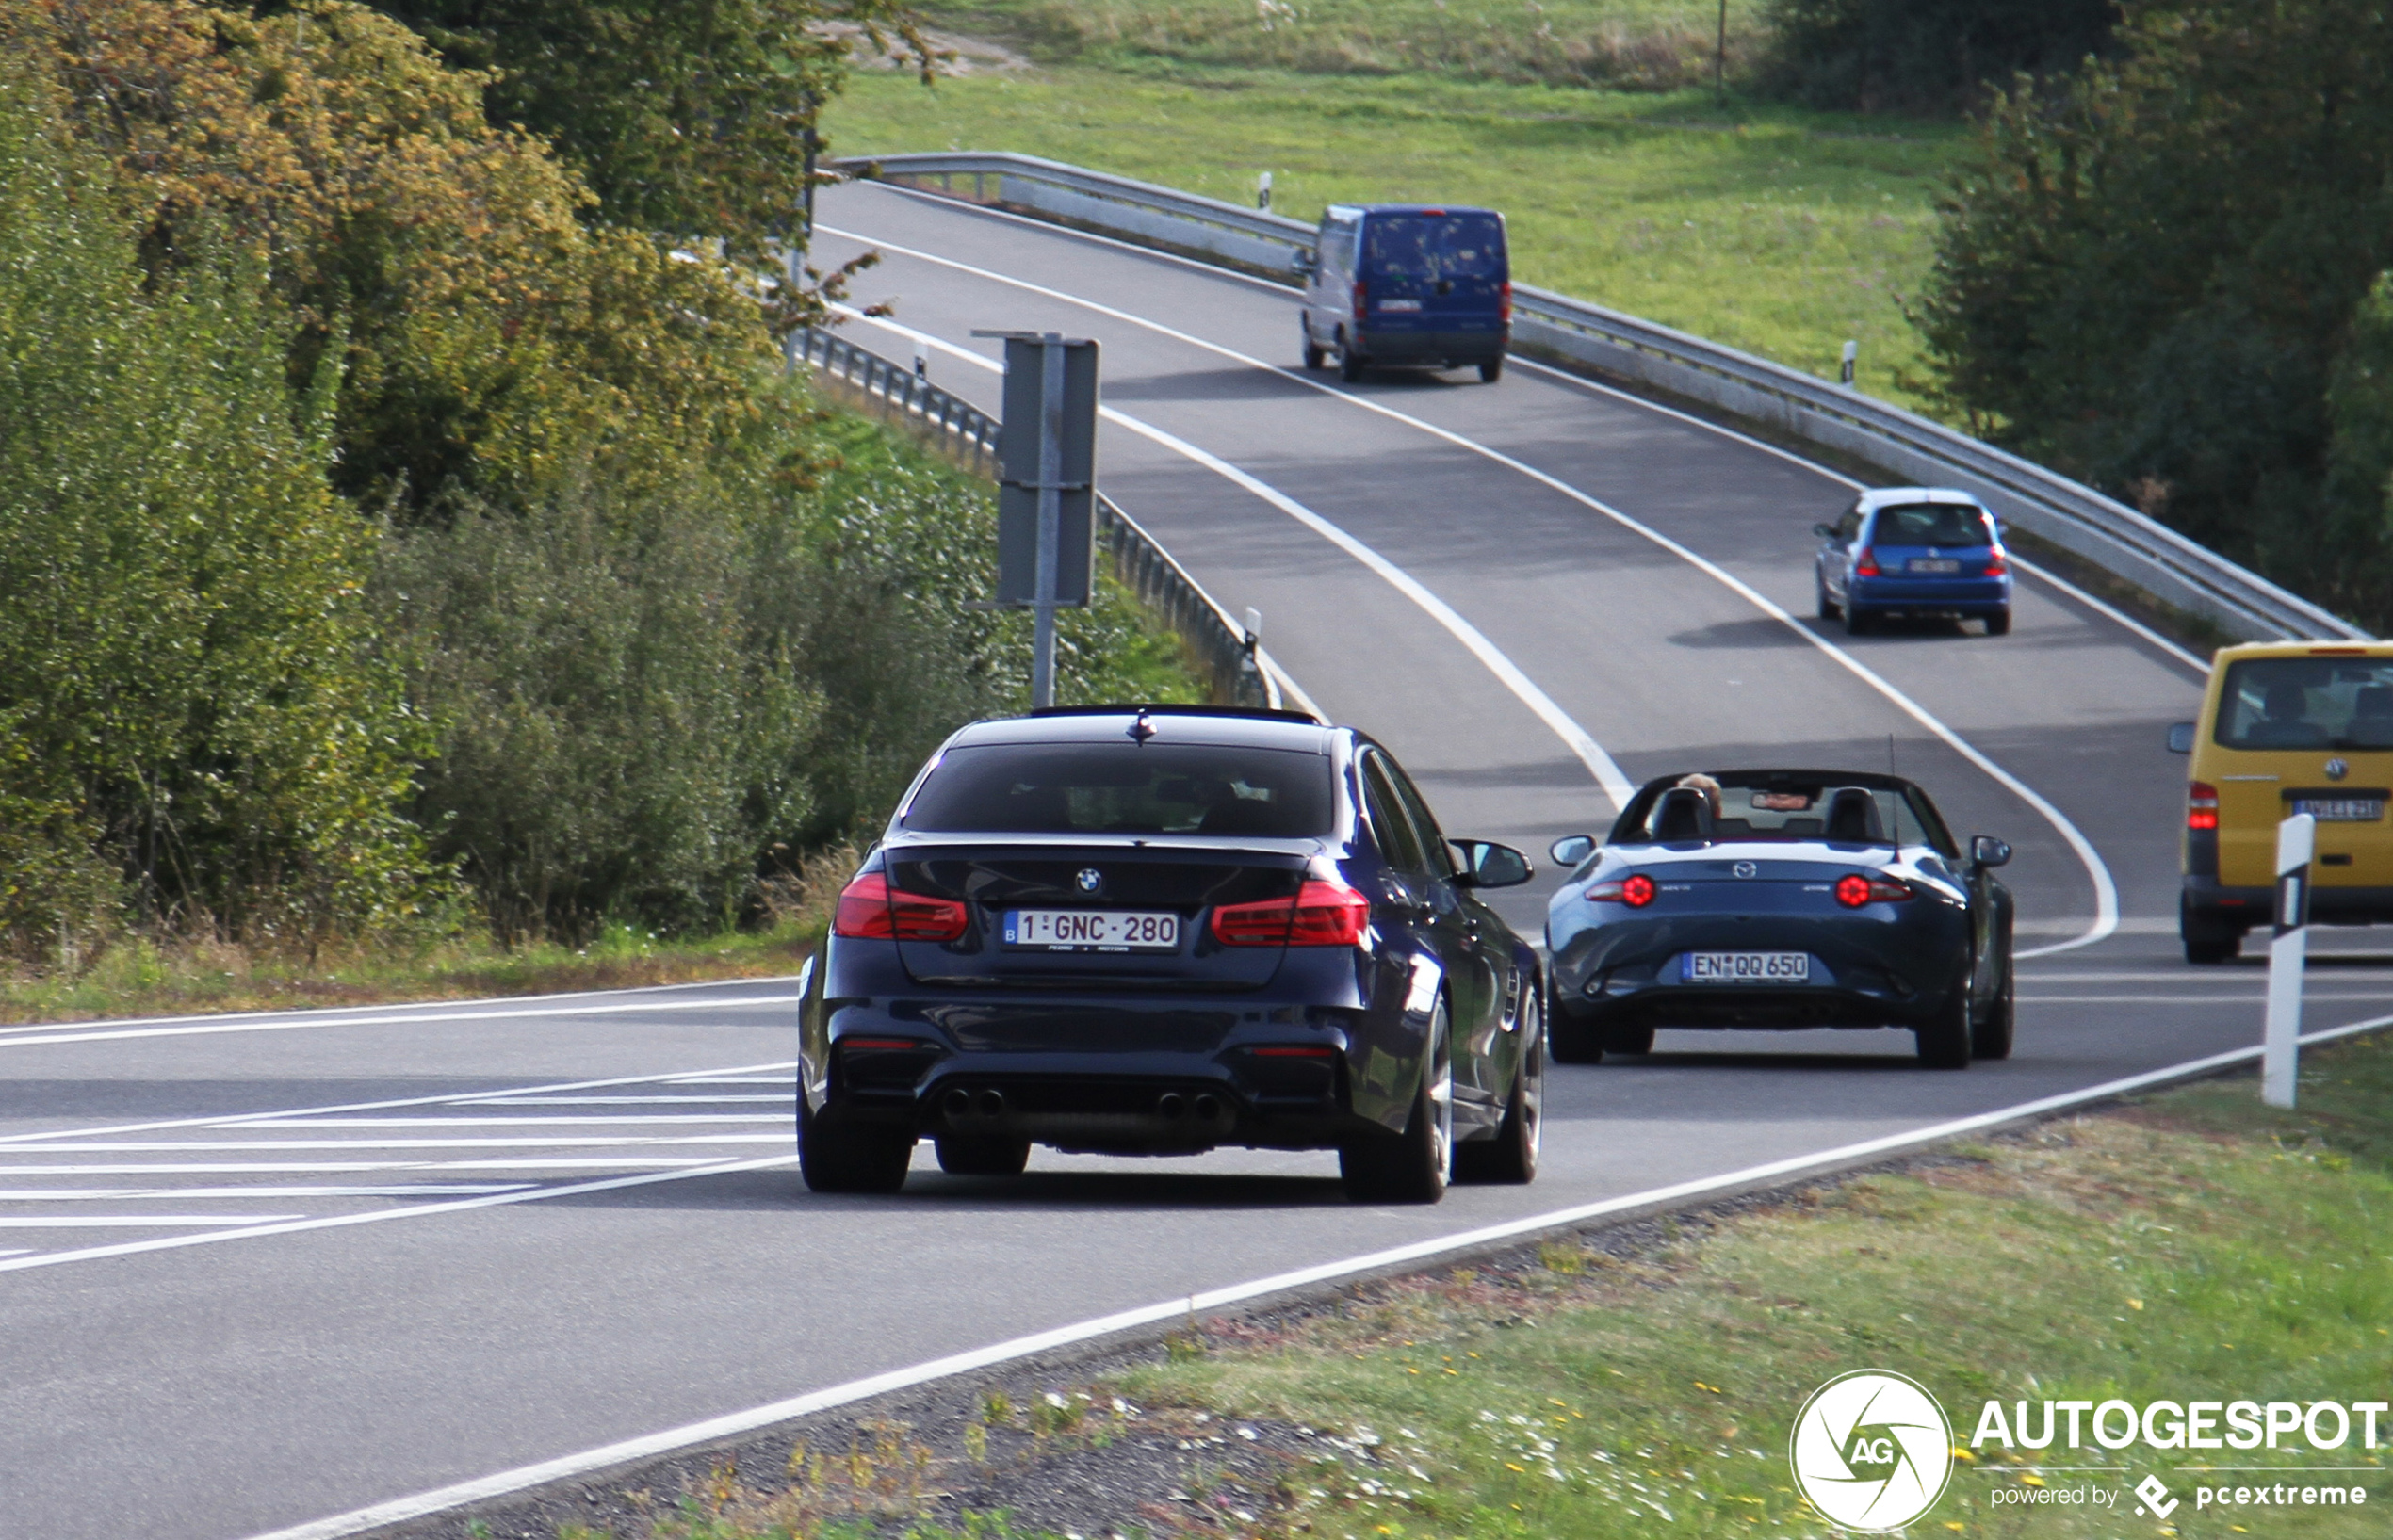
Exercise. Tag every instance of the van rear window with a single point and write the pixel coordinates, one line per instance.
(2307, 703)
(1435, 245)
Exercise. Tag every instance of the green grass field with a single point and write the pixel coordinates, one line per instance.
(1779, 232)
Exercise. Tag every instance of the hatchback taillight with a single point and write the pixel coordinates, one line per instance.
(1322, 913)
(1854, 889)
(871, 909)
(1997, 565)
(2201, 805)
(1865, 564)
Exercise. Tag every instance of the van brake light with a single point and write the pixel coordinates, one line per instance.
(1504, 301)
(2201, 805)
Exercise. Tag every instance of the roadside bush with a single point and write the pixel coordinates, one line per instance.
(2149, 277)
(1906, 55)
(191, 727)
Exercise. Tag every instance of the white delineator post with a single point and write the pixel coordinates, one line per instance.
(2288, 949)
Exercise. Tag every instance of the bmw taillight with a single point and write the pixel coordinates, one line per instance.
(1865, 564)
(871, 909)
(2201, 805)
(1854, 889)
(1997, 565)
(1322, 913)
(1636, 890)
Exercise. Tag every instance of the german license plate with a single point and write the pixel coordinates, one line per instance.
(1091, 931)
(1931, 564)
(1746, 968)
(2341, 809)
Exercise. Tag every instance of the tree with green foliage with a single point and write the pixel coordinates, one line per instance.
(2149, 275)
(192, 722)
(1924, 55)
(690, 119)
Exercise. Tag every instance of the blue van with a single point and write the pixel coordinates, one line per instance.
(1407, 285)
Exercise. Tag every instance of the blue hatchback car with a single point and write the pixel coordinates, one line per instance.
(1409, 285)
(1920, 551)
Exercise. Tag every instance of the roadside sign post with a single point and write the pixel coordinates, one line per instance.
(2288, 950)
(1046, 486)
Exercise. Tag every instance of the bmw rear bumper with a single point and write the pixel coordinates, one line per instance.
(1104, 1077)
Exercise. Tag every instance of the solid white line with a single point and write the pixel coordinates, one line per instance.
(584, 1141)
(641, 1119)
(786, 1098)
(286, 1025)
(2109, 611)
(1575, 738)
(287, 1168)
(464, 1098)
(343, 1012)
(426, 1504)
(127, 1222)
(2105, 892)
(87, 1194)
(2381, 996)
(377, 1216)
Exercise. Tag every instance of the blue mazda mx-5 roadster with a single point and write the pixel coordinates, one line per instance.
(1780, 898)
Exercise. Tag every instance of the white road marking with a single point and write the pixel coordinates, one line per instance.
(2105, 892)
(786, 1097)
(293, 1168)
(59, 1194)
(343, 1012)
(455, 1099)
(424, 1505)
(52, 1034)
(435, 1121)
(521, 1143)
(378, 1216)
(128, 1221)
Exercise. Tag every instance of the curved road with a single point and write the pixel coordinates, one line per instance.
(260, 1271)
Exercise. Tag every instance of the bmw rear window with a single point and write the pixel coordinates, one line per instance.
(1931, 524)
(1124, 788)
(1432, 245)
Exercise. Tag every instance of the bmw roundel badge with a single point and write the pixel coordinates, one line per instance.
(1090, 879)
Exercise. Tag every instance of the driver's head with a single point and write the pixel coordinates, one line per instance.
(1705, 785)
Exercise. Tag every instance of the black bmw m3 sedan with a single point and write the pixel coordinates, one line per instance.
(1780, 898)
(1159, 931)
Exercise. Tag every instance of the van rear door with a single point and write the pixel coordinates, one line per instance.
(1434, 270)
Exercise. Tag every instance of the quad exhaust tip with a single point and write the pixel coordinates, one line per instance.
(1172, 1105)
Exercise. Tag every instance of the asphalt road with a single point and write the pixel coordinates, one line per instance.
(258, 1270)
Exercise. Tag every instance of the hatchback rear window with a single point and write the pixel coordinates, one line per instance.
(1125, 788)
(1931, 524)
(1435, 245)
(2307, 703)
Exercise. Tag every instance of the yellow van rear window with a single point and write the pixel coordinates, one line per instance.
(2307, 703)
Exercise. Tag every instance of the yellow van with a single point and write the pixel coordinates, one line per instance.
(2287, 727)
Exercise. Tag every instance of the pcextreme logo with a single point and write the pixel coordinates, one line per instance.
(1872, 1450)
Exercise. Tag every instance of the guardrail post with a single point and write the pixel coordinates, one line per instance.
(2288, 950)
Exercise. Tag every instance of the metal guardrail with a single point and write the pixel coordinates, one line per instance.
(2114, 537)
(1224, 647)
(969, 433)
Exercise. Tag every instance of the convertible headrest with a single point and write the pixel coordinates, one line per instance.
(1684, 813)
(1852, 816)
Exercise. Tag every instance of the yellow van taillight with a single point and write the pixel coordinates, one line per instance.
(2201, 805)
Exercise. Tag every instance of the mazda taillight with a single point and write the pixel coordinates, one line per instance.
(2201, 805)
(1322, 913)
(1854, 889)
(1636, 890)
(871, 909)
(1865, 564)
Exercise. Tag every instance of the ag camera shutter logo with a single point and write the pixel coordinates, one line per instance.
(1872, 1450)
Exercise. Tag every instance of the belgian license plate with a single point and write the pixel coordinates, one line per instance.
(1091, 931)
(1400, 304)
(1746, 968)
(2341, 809)
(1923, 563)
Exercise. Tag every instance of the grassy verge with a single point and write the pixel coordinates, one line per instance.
(1781, 231)
(1643, 1383)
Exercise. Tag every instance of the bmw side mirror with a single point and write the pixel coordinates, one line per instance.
(1573, 849)
(1486, 863)
(2181, 738)
(1304, 263)
(1986, 851)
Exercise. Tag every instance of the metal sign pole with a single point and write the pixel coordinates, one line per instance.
(2288, 950)
(1050, 516)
